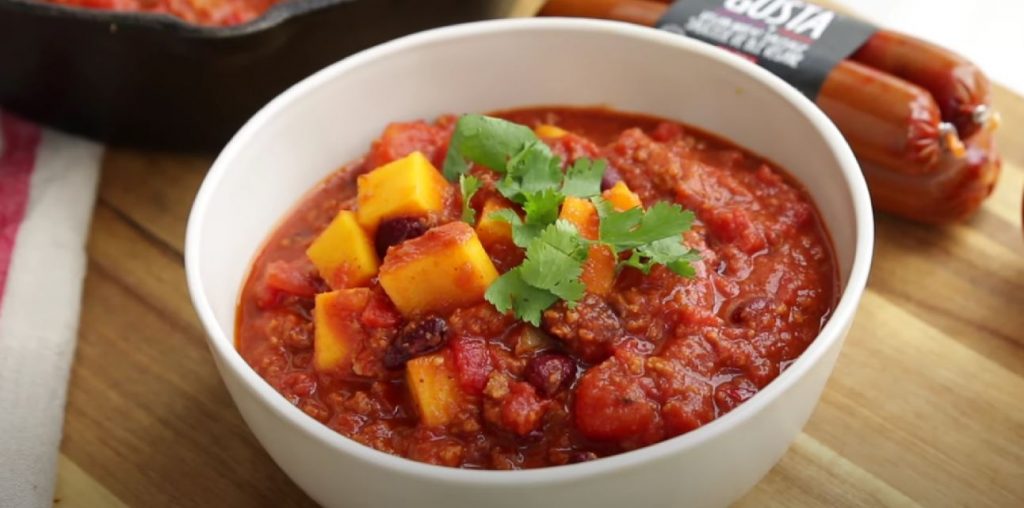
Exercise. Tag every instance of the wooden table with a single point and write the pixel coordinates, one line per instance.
(926, 405)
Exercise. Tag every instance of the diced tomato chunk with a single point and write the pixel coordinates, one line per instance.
(733, 225)
(611, 405)
(666, 132)
(380, 312)
(267, 298)
(472, 363)
(297, 277)
(571, 147)
(401, 139)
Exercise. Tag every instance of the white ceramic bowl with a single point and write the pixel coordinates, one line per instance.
(331, 118)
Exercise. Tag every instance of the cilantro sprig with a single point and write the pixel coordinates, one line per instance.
(468, 185)
(555, 251)
(653, 236)
(483, 140)
(583, 179)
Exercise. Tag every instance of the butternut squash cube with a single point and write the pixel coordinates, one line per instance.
(343, 253)
(582, 214)
(599, 268)
(434, 388)
(408, 187)
(549, 131)
(492, 231)
(621, 197)
(337, 333)
(444, 269)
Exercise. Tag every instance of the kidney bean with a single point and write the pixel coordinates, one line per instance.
(395, 231)
(416, 339)
(610, 178)
(577, 457)
(734, 392)
(550, 373)
(748, 310)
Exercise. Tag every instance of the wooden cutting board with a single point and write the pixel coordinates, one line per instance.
(926, 405)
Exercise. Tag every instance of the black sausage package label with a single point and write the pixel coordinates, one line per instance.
(798, 41)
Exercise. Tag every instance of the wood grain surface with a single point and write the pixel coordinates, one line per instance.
(926, 405)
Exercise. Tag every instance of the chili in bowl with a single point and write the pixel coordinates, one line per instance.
(612, 290)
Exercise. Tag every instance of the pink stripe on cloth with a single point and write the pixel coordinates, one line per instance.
(20, 143)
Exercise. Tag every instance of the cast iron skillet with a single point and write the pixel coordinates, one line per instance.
(155, 81)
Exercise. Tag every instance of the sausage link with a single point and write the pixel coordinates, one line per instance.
(958, 86)
(885, 119)
(953, 192)
(640, 12)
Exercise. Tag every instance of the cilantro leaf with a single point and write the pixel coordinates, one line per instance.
(563, 236)
(615, 226)
(542, 207)
(506, 214)
(553, 271)
(511, 292)
(541, 210)
(653, 235)
(583, 179)
(536, 167)
(669, 252)
(486, 141)
(635, 227)
(468, 185)
(554, 262)
(522, 234)
(532, 169)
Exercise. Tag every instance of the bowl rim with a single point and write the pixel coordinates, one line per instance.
(833, 331)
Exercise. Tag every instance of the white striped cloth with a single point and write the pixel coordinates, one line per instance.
(47, 189)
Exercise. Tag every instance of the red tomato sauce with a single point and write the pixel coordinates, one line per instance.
(200, 12)
(659, 356)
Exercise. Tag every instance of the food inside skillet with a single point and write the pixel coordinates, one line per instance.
(551, 287)
(200, 12)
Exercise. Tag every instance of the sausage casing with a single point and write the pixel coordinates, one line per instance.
(953, 192)
(958, 86)
(640, 12)
(885, 119)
